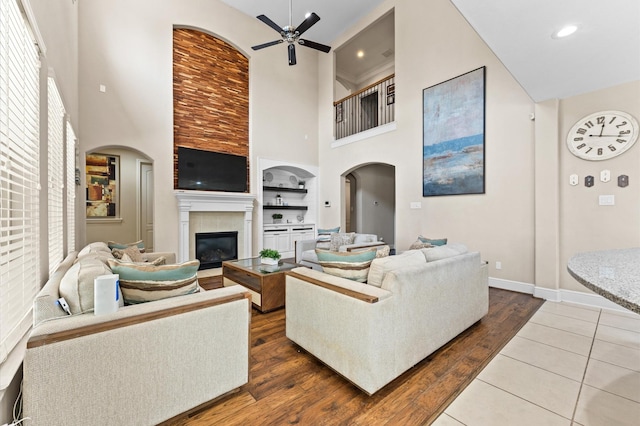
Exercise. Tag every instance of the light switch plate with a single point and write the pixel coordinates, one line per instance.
(623, 181)
(605, 175)
(574, 179)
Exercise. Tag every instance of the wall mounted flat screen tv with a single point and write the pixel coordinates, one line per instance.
(211, 171)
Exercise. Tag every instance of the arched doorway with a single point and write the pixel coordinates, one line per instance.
(126, 186)
(370, 200)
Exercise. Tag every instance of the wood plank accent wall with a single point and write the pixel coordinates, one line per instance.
(210, 96)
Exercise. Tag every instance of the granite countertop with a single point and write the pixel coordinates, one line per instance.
(614, 274)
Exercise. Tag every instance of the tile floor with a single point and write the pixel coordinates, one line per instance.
(569, 365)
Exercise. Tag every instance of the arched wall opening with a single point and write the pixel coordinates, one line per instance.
(369, 196)
(119, 203)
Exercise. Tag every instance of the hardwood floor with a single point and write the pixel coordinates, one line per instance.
(289, 386)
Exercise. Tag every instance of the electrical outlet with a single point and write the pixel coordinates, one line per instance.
(416, 205)
(498, 265)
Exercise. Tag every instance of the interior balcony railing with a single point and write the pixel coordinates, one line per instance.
(369, 107)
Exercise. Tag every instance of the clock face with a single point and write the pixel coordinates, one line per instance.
(602, 135)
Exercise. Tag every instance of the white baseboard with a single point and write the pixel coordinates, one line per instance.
(558, 295)
(511, 285)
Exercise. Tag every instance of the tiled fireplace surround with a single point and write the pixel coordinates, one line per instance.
(204, 211)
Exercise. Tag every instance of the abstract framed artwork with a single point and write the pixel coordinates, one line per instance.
(453, 136)
(102, 192)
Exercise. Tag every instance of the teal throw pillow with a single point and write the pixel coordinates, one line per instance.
(328, 231)
(433, 241)
(350, 265)
(141, 283)
(121, 246)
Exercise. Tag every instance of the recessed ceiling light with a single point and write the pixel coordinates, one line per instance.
(360, 53)
(565, 31)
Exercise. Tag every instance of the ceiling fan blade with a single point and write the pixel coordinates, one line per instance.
(271, 43)
(307, 23)
(312, 44)
(269, 22)
(292, 54)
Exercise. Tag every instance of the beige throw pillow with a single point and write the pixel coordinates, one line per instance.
(76, 285)
(340, 239)
(132, 253)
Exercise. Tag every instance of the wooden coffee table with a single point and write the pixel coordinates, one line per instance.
(264, 282)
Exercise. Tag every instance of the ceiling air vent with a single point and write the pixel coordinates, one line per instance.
(387, 53)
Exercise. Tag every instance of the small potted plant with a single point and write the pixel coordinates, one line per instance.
(269, 256)
(277, 217)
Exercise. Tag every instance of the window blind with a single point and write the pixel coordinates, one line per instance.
(71, 188)
(19, 176)
(55, 178)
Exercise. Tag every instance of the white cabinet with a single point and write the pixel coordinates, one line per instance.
(283, 237)
(278, 238)
(302, 232)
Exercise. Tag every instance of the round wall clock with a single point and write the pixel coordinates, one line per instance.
(602, 135)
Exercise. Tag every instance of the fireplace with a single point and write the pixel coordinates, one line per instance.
(212, 248)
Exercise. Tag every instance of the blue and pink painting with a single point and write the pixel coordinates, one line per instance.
(453, 136)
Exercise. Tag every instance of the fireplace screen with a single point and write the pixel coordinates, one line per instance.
(212, 248)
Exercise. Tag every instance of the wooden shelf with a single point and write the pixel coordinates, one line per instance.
(285, 207)
(282, 189)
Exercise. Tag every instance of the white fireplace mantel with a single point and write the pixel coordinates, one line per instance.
(206, 201)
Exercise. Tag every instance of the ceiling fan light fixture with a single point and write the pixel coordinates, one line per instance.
(291, 35)
(565, 31)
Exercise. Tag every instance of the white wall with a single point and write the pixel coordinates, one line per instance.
(127, 46)
(530, 219)
(433, 44)
(585, 225)
(58, 25)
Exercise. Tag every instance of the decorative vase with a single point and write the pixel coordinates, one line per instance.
(268, 261)
(277, 220)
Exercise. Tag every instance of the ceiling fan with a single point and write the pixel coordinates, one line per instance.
(292, 34)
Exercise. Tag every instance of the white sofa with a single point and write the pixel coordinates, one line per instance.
(142, 365)
(371, 334)
(306, 249)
